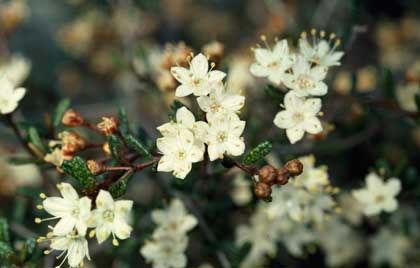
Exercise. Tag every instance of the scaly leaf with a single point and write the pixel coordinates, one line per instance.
(60, 110)
(259, 152)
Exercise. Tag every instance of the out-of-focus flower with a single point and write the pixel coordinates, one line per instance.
(366, 79)
(74, 248)
(224, 136)
(352, 210)
(72, 211)
(220, 101)
(198, 79)
(306, 80)
(241, 193)
(111, 217)
(12, 14)
(389, 247)
(378, 195)
(16, 69)
(343, 82)
(272, 63)
(405, 96)
(299, 117)
(413, 72)
(9, 95)
(319, 51)
(341, 244)
(214, 51)
(239, 79)
(312, 178)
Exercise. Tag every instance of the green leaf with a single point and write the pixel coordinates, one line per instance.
(17, 161)
(34, 138)
(119, 188)
(388, 83)
(61, 108)
(259, 152)
(274, 93)
(115, 146)
(5, 250)
(176, 104)
(122, 116)
(77, 168)
(4, 230)
(28, 249)
(137, 146)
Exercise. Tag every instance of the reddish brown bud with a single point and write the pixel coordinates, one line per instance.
(267, 175)
(283, 176)
(262, 190)
(295, 167)
(109, 125)
(72, 119)
(71, 142)
(94, 167)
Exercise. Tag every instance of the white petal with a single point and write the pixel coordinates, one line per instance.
(237, 127)
(64, 226)
(283, 119)
(281, 49)
(319, 73)
(181, 169)
(185, 117)
(216, 76)
(183, 90)
(165, 164)
(393, 186)
(294, 134)
(19, 93)
(312, 106)
(77, 252)
(166, 144)
(320, 89)
(214, 152)
(263, 56)
(123, 208)
(292, 102)
(374, 182)
(68, 192)
(390, 205)
(259, 70)
(104, 201)
(103, 232)
(204, 103)
(313, 125)
(235, 146)
(59, 243)
(181, 74)
(199, 66)
(195, 154)
(234, 102)
(121, 229)
(58, 207)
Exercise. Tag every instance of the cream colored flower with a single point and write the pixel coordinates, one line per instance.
(9, 95)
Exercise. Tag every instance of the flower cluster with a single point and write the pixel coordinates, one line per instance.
(184, 140)
(303, 73)
(169, 240)
(75, 216)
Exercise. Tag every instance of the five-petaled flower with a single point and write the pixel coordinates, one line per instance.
(9, 95)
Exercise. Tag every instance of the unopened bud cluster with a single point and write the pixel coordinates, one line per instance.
(269, 176)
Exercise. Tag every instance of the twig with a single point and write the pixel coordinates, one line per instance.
(18, 134)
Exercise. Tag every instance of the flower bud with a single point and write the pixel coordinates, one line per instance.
(283, 176)
(214, 50)
(106, 149)
(262, 190)
(94, 167)
(267, 175)
(295, 167)
(71, 142)
(109, 125)
(72, 119)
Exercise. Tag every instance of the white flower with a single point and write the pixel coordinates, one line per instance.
(174, 219)
(76, 247)
(16, 69)
(111, 217)
(185, 120)
(198, 79)
(179, 152)
(390, 247)
(378, 195)
(55, 157)
(312, 178)
(224, 136)
(166, 251)
(305, 80)
(220, 101)
(72, 211)
(299, 117)
(9, 95)
(272, 63)
(320, 51)
(241, 193)
(405, 96)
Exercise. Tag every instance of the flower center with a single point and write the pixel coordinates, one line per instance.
(108, 215)
(181, 155)
(379, 199)
(75, 212)
(305, 82)
(273, 64)
(196, 81)
(221, 136)
(298, 118)
(215, 107)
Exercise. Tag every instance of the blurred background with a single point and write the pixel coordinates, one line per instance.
(108, 53)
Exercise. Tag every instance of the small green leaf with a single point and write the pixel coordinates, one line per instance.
(122, 116)
(34, 137)
(119, 188)
(60, 110)
(388, 83)
(4, 230)
(17, 161)
(259, 152)
(5, 250)
(28, 249)
(77, 168)
(115, 146)
(137, 146)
